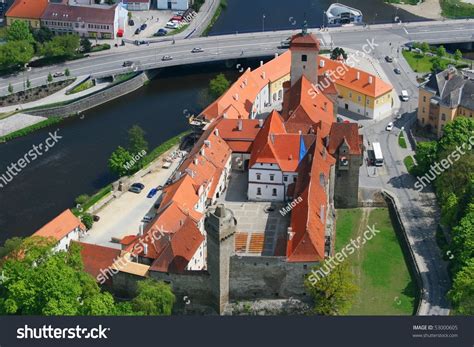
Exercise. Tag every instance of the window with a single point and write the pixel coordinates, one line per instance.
(259, 191)
(294, 178)
(285, 178)
(424, 110)
(274, 192)
(259, 176)
(350, 95)
(304, 57)
(443, 116)
(424, 98)
(272, 177)
(359, 98)
(368, 101)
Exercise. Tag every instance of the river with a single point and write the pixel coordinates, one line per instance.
(247, 15)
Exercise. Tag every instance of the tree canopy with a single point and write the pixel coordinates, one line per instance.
(136, 140)
(334, 293)
(118, 161)
(218, 85)
(338, 52)
(14, 53)
(19, 31)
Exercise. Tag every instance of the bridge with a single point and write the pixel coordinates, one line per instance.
(386, 37)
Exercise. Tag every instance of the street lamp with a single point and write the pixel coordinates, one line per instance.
(263, 22)
(324, 16)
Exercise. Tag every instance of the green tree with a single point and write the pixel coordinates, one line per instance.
(462, 292)
(218, 85)
(19, 31)
(118, 161)
(10, 88)
(153, 298)
(87, 220)
(456, 133)
(441, 51)
(15, 53)
(40, 281)
(457, 55)
(334, 293)
(136, 140)
(61, 46)
(28, 83)
(426, 154)
(437, 65)
(338, 52)
(81, 199)
(67, 73)
(49, 79)
(425, 47)
(463, 242)
(86, 44)
(10, 245)
(42, 35)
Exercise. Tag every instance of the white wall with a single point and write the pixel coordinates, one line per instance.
(266, 191)
(198, 261)
(63, 244)
(180, 5)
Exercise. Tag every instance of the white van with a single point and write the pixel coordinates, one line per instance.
(404, 95)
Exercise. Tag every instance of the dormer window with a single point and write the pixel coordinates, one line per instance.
(304, 57)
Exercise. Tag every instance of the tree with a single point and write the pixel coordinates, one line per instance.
(462, 292)
(28, 83)
(463, 242)
(441, 51)
(40, 281)
(425, 47)
(437, 65)
(426, 154)
(19, 31)
(10, 88)
(218, 85)
(61, 46)
(337, 53)
(86, 45)
(15, 53)
(153, 298)
(42, 35)
(456, 133)
(10, 245)
(136, 140)
(67, 73)
(457, 55)
(82, 199)
(49, 79)
(118, 161)
(87, 220)
(334, 293)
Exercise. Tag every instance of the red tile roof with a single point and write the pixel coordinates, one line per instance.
(304, 41)
(32, 9)
(60, 226)
(97, 258)
(87, 14)
(348, 132)
(239, 141)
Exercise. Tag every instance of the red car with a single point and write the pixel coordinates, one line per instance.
(178, 18)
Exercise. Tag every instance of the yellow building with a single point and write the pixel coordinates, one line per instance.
(29, 11)
(442, 98)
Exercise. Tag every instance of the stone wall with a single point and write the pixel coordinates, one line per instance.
(92, 100)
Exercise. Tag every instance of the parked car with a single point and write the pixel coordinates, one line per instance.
(147, 219)
(159, 187)
(135, 190)
(399, 116)
(95, 218)
(167, 57)
(152, 193)
(131, 22)
(176, 18)
(157, 205)
(171, 25)
(389, 59)
(58, 74)
(339, 119)
(127, 63)
(139, 185)
(143, 26)
(137, 31)
(161, 32)
(389, 126)
(404, 95)
(397, 71)
(197, 50)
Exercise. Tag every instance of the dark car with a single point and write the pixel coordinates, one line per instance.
(137, 31)
(159, 187)
(397, 71)
(131, 22)
(143, 26)
(152, 193)
(138, 185)
(96, 218)
(135, 190)
(161, 32)
(389, 59)
(127, 63)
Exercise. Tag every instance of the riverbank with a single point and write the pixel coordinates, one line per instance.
(430, 9)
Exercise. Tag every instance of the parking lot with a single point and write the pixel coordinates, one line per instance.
(154, 20)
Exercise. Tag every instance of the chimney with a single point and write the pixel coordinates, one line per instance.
(216, 132)
(239, 124)
(358, 75)
(207, 143)
(290, 233)
(326, 141)
(290, 157)
(196, 161)
(264, 75)
(236, 96)
(145, 248)
(224, 115)
(325, 108)
(322, 180)
(260, 123)
(322, 213)
(321, 63)
(202, 151)
(370, 79)
(276, 55)
(261, 62)
(272, 138)
(245, 81)
(324, 153)
(299, 132)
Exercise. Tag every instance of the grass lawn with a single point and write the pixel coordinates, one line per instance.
(179, 30)
(423, 63)
(401, 140)
(456, 9)
(82, 86)
(409, 163)
(386, 287)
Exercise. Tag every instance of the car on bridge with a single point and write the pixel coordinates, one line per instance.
(58, 74)
(197, 50)
(167, 57)
(127, 63)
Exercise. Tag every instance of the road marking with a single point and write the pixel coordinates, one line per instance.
(434, 32)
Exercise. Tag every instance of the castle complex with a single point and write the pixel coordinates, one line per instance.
(270, 141)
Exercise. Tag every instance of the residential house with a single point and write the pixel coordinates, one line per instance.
(29, 11)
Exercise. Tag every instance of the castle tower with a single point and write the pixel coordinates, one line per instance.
(304, 49)
(220, 226)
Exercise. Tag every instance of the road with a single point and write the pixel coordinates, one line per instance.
(240, 46)
(419, 211)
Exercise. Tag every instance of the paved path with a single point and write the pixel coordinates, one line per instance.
(17, 122)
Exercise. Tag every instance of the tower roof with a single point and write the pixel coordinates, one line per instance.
(305, 41)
